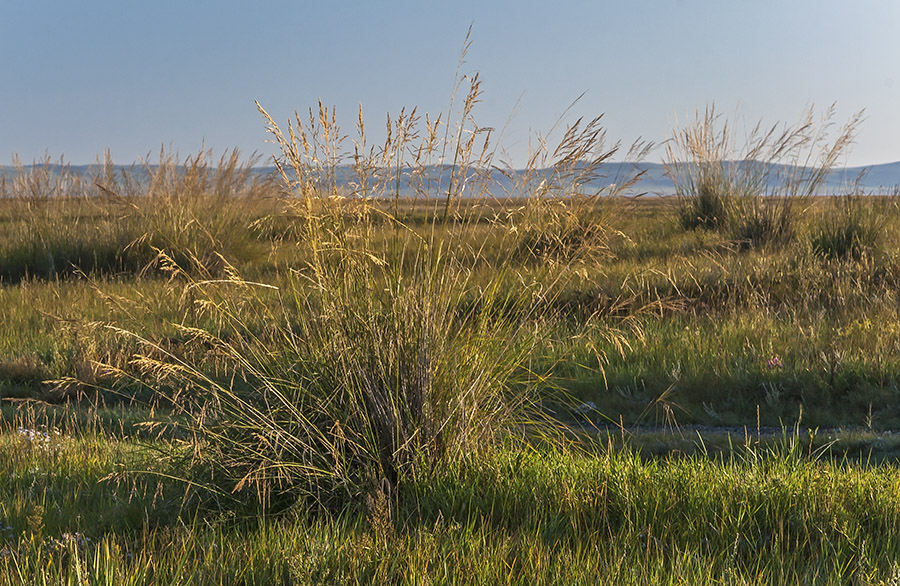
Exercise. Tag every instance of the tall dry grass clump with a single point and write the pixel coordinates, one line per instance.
(197, 209)
(392, 349)
(54, 225)
(750, 185)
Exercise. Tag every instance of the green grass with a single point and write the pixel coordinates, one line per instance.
(666, 328)
(760, 514)
(651, 307)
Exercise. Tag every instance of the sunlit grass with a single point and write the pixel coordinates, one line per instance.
(764, 514)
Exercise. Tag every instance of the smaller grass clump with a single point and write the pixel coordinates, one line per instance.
(569, 206)
(59, 223)
(751, 191)
(853, 227)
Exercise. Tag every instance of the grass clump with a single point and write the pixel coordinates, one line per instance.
(750, 191)
(59, 223)
(349, 391)
(569, 204)
(389, 351)
(852, 228)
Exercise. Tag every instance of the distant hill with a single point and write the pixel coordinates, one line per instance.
(875, 179)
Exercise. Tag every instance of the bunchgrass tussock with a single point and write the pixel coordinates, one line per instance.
(569, 203)
(388, 352)
(750, 185)
(852, 226)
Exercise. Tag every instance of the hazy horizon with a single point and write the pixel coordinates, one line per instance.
(655, 180)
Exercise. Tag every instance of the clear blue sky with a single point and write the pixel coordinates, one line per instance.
(81, 77)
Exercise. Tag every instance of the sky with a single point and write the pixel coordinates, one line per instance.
(79, 78)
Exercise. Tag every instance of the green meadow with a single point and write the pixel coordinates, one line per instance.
(210, 376)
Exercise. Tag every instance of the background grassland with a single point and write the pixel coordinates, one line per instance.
(639, 309)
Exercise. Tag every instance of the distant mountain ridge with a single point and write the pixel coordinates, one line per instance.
(872, 179)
